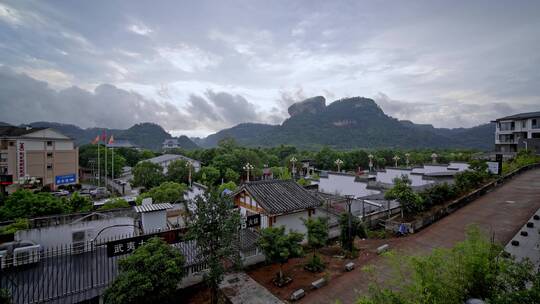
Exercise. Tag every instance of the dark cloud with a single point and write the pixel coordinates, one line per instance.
(24, 99)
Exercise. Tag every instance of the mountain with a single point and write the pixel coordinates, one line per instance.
(351, 123)
(144, 135)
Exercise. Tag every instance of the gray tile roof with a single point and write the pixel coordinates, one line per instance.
(280, 196)
(11, 131)
(152, 207)
(168, 157)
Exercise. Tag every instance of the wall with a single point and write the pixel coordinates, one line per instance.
(344, 185)
(292, 221)
(153, 221)
(389, 175)
(54, 236)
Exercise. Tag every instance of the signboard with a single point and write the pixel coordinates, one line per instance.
(6, 179)
(65, 179)
(494, 167)
(252, 221)
(125, 246)
(21, 160)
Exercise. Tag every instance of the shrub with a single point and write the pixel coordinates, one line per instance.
(116, 203)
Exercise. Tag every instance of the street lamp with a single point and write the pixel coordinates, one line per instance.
(407, 155)
(247, 167)
(293, 160)
(338, 163)
(396, 159)
(434, 158)
(189, 165)
(349, 232)
(370, 162)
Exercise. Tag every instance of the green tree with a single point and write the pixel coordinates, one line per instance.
(230, 186)
(167, 192)
(150, 275)
(317, 236)
(285, 174)
(350, 227)
(402, 191)
(178, 171)
(20, 224)
(214, 227)
(26, 204)
(147, 175)
(5, 296)
(231, 175)
(79, 203)
(278, 247)
(208, 175)
(116, 203)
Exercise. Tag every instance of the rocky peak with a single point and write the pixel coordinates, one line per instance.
(311, 105)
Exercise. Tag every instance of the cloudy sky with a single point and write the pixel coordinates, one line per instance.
(196, 67)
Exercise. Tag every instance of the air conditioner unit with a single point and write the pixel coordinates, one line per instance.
(26, 255)
(80, 238)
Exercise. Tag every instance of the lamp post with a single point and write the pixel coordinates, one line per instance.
(248, 167)
(396, 159)
(407, 155)
(370, 162)
(338, 163)
(293, 161)
(434, 158)
(349, 233)
(189, 165)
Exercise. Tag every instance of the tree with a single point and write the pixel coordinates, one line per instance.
(79, 203)
(285, 174)
(230, 186)
(278, 247)
(402, 191)
(351, 227)
(214, 226)
(5, 296)
(208, 175)
(26, 204)
(317, 236)
(116, 203)
(150, 275)
(147, 174)
(231, 175)
(178, 171)
(167, 192)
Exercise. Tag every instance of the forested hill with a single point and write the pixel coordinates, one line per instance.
(351, 123)
(144, 135)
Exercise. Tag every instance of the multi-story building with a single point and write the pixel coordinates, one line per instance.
(518, 132)
(41, 155)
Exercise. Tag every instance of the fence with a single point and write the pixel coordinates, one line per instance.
(72, 273)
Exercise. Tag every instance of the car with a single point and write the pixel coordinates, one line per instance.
(99, 192)
(17, 253)
(60, 193)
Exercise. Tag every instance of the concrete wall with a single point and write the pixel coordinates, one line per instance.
(54, 236)
(292, 221)
(344, 185)
(154, 221)
(389, 175)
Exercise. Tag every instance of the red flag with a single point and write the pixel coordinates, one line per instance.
(103, 136)
(111, 140)
(96, 140)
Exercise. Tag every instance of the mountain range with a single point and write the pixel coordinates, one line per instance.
(343, 124)
(351, 123)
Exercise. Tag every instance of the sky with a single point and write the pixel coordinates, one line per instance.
(196, 67)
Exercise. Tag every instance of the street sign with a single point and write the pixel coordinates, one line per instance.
(125, 246)
(65, 179)
(494, 167)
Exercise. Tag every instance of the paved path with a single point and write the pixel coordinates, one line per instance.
(242, 289)
(500, 213)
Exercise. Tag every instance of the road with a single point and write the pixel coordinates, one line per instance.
(500, 213)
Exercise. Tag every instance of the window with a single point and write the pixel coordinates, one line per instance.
(49, 143)
(534, 124)
(11, 143)
(49, 166)
(49, 154)
(524, 124)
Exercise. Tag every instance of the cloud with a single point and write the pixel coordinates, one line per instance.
(10, 15)
(189, 58)
(140, 29)
(24, 99)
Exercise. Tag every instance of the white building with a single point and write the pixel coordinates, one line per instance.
(277, 203)
(338, 183)
(165, 159)
(518, 132)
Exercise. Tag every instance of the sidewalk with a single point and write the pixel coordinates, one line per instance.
(241, 289)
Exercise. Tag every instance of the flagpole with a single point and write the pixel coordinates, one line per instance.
(106, 183)
(98, 165)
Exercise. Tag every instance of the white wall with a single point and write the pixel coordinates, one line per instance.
(63, 145)
(292, 221)
(62, 234)
(154, 221)
(459, 166)
(390, 174)
(344, 185)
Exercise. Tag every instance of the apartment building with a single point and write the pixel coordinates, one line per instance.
(517, 132)
(40, 155)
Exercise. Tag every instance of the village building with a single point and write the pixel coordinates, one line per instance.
(165, 159)
(276, 203)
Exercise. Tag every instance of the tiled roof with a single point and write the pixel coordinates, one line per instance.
(152, 207)
(521, 116)
(280, 196)
(169, 157)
